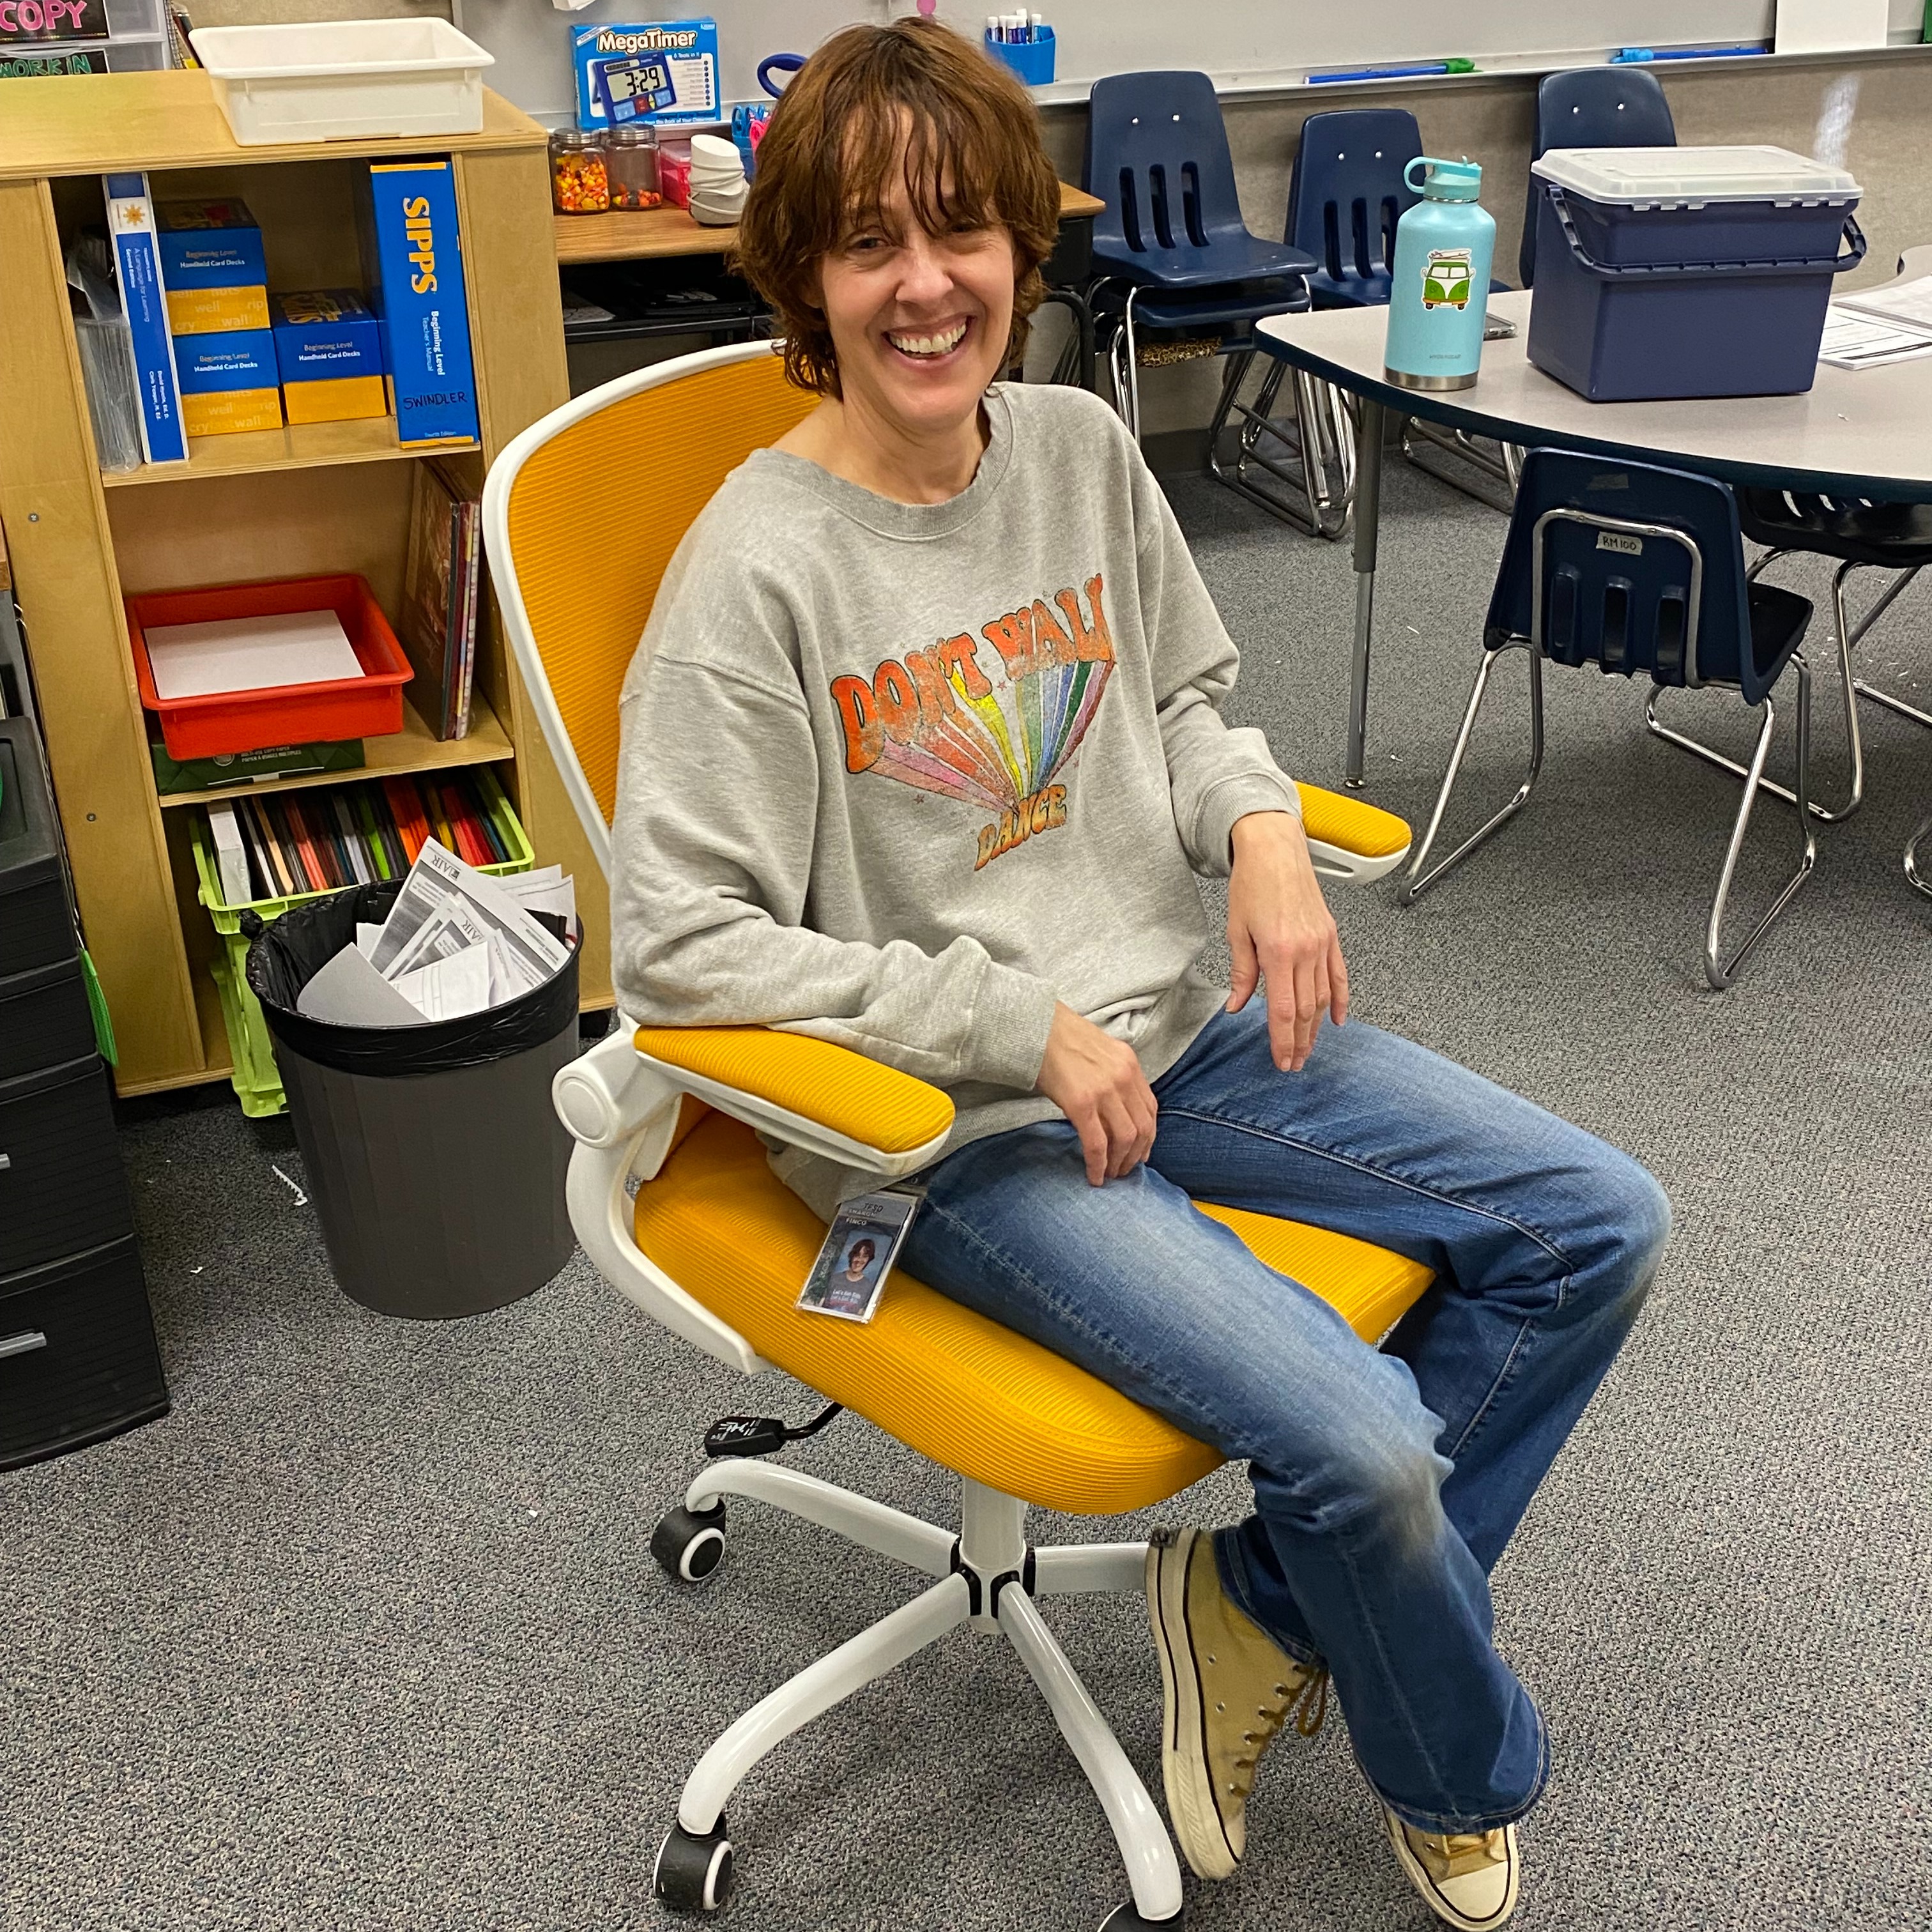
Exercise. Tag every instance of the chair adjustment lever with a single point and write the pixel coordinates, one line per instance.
(759, 1435)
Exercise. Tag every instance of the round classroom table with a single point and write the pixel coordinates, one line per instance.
(1855, 433)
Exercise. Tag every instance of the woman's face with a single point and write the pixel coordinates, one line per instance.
(919, 322)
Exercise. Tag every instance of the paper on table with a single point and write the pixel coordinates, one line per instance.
(348, 992)
(1852, 341)
(249, 654)
(1903, 301)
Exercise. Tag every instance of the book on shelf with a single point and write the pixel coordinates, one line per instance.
(440, 597)
(412, 266)
(137, 261)
(283, 844)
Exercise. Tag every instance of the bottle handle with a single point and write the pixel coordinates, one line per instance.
(1421, 161)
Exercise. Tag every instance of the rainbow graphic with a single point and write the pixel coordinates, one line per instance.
(937, 720)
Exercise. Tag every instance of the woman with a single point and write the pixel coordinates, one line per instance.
(923, 753)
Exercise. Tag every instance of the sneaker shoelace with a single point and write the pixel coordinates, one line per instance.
(1457, 1854)
(1308, 1703)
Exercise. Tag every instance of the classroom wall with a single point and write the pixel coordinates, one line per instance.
(271, 13)
(1877, 109)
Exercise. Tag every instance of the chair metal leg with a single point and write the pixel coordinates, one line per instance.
(1153, 1871)
(1871, 690)
(1418, 435)
(1846, 634)
(1920, 880)
(1306, 498)
(1418, 879)
(1720, 976)
(860, 1660)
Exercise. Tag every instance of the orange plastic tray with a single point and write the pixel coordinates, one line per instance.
(368, 706)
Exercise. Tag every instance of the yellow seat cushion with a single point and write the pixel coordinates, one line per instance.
(877, 1105)
(972, 1395)
(1332, 819)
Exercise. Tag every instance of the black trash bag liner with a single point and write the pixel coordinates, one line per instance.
(288, 952)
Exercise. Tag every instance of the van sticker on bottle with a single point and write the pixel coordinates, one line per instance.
(1445, 278)
(1616, 541)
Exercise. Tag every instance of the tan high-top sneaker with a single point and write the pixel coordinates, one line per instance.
(1228, 1688)
(1469, 1879)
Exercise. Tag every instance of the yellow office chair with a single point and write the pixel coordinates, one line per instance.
(671, 1197)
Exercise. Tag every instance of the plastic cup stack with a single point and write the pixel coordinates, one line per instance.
(718, 184)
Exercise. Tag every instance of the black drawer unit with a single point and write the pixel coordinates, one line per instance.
(45, 1020)
(61, 1189)
(77, 1356)
(36, 922)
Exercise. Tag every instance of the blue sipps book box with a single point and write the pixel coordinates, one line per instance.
(415, 278)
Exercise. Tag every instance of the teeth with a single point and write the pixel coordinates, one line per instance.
(928, 345)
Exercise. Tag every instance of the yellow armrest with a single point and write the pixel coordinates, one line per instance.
(1331, 818)
(843, 1091)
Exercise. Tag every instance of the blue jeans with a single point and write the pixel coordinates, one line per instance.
(1386, 1483)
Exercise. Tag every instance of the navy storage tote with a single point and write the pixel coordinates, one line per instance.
(1678, 272)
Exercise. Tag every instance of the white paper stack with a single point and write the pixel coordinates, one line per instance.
(456, 942)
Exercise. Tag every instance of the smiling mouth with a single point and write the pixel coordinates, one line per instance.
(929, 347)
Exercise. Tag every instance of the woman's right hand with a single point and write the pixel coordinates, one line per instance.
(1096, 1081)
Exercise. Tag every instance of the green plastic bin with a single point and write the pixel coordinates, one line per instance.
(256, 1080)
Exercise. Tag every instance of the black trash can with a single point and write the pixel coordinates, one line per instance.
(435, 1159)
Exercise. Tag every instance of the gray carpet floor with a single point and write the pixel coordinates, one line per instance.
(365, 1634)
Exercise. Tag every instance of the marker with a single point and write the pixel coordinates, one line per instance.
(1396, 73)
(1630, 55)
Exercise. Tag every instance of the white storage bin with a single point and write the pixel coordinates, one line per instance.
(334, 79)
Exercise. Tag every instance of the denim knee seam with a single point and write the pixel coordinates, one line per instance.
(1504, 1376)
(1545, 1241)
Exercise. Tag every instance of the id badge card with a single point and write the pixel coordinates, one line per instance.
(861, 1245)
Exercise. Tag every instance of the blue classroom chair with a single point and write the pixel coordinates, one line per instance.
(1638, 569)
(1347, 195)
(1591, 107)
(1176, 258)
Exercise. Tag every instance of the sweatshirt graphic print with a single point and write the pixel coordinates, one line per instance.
(937, 720)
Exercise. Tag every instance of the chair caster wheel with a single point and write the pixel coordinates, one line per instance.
(693, 1874)
(1126, 1919)
(690, 1544)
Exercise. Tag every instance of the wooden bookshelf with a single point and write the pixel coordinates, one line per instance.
(294, 446)
(286, 502)
(414, 749)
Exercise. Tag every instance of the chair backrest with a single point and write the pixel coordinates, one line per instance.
(576, 572)
(1157, 155)
(1347, 195)
(1592, 107)
(1629, 567)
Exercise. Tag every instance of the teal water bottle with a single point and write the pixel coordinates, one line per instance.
(1439, 299)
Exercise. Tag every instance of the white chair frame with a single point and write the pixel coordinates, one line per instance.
(621, 1109)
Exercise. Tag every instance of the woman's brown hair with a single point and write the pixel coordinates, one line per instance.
(912, 97)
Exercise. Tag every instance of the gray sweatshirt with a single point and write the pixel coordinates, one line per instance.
(902, 776)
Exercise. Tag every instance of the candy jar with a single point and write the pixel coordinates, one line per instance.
(630, 161)
(579, 184)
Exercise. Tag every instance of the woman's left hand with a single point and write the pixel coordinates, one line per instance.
(1279, 927)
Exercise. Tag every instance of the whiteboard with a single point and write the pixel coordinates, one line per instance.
(1243, 43)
